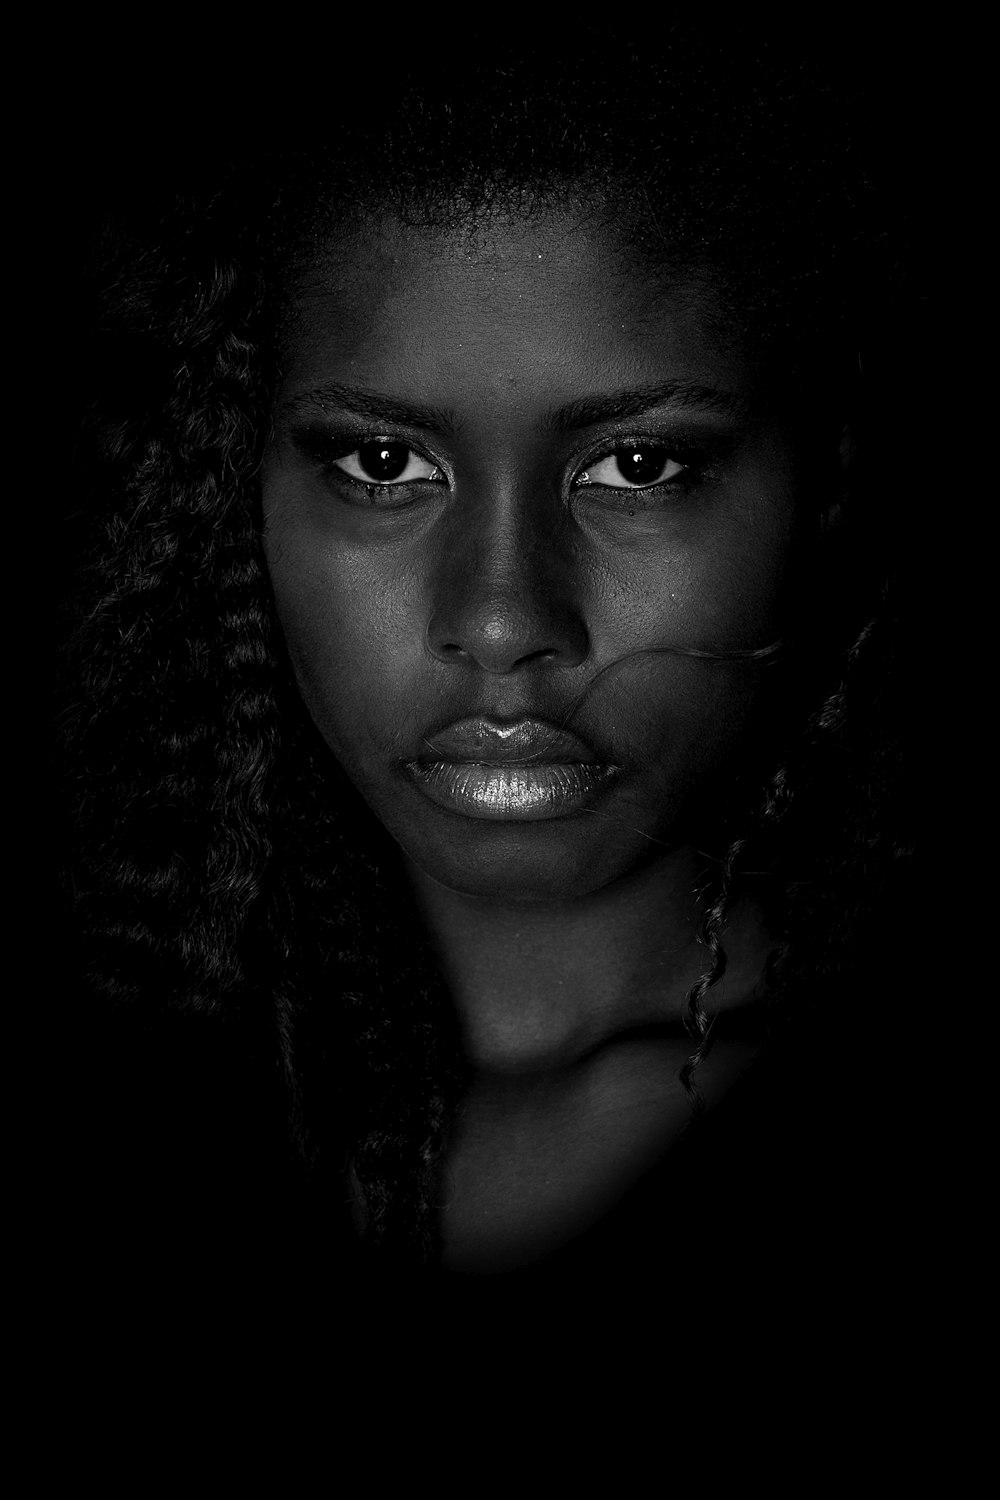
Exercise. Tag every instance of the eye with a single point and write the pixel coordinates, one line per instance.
(382, 461)
(637, 467)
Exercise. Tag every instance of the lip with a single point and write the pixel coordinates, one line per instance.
(525, 770)
(521, 742)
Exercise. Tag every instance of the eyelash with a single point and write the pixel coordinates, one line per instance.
(326, 451)
(693, 467)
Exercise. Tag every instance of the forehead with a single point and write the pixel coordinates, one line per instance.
(548, 303)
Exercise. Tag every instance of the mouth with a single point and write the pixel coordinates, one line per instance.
(524, 771)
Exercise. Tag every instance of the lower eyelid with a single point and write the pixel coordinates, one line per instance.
(684, 476)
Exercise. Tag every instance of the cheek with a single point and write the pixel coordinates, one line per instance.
(741, 579)
(722, 590)
(350, 630)
(715, 588)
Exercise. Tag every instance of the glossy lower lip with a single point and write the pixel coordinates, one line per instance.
(514, 792)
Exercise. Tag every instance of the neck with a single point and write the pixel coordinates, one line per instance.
(539, 985)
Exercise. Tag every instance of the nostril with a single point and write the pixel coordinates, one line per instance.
(535, 657)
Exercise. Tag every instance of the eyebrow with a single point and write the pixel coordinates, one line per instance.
(683, 394)
(589, 411)
(373, 404)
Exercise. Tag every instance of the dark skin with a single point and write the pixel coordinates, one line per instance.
(512, 569)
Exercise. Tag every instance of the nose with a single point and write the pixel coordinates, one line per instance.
(505, 596)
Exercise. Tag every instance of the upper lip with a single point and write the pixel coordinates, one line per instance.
(517, 742)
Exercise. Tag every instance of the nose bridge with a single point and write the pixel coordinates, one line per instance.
(505, 591)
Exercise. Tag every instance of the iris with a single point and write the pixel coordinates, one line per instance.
(383, 461)
(641, 465)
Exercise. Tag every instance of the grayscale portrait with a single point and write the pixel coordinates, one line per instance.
(487, 688)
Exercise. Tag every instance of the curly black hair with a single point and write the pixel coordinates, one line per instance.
(222, 863)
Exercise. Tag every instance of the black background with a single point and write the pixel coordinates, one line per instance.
(125, 115)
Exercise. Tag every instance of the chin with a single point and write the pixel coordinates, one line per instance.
(515, 863)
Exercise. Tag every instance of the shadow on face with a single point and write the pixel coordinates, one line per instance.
(515, 479)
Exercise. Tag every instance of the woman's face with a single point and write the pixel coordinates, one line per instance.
(507, 466)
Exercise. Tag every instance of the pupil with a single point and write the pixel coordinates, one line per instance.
(641, 465)
(383, 461)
